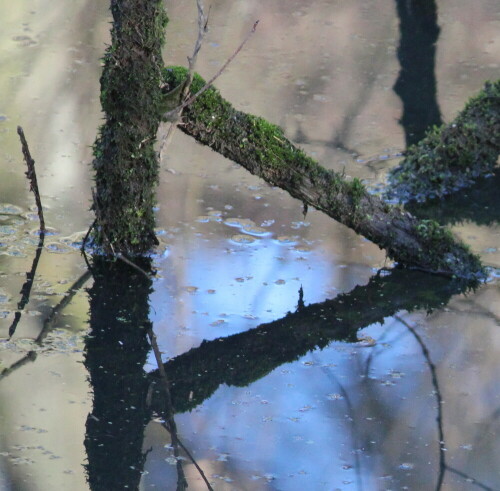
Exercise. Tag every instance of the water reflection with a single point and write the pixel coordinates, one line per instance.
(355, 414)
(416, 82)
(115, 353)
(125, 397)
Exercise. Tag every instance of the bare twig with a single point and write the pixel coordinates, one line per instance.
(202, 30)
(84, 241)
(31, 175)
(215, 77)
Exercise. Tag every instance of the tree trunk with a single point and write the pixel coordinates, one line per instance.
(125, 164)
(262, 149)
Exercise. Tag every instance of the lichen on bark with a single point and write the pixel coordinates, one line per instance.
(125, 162)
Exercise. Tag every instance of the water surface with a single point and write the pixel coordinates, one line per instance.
(294, 362)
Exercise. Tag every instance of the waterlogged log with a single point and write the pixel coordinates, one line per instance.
(263, 150)
(452, 156)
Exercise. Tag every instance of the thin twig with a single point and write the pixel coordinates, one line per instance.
(202, 30)
(215, 77)
(31, 175)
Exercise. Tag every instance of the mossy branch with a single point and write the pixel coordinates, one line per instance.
(262, 149)
(452, 156)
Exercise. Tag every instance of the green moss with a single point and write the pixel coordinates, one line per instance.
(125, 162)
(452, 156)
(262, 148)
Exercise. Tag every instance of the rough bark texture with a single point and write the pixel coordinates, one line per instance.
(452, 156)
(262, 149)
(125, 164)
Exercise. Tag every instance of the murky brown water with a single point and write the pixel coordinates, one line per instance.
(235, 253)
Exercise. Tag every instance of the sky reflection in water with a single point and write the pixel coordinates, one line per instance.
(352, 415)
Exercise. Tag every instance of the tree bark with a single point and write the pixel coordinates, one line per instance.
(125, 163)
(263, 150)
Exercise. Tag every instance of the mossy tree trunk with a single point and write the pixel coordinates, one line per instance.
(125, 163)
(262, 149)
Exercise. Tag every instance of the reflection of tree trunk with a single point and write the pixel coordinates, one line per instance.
(116, 352)
(125, 164)
(416, 83)
(243, 358)
(263, 150)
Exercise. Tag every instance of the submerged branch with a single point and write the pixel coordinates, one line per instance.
(263, 150)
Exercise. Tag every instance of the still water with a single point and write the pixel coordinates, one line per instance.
(294, 360)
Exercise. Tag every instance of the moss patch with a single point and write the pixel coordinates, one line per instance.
(452, 156)
(125, 163)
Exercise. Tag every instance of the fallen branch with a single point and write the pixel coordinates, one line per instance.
(263, 150)
(452, 156)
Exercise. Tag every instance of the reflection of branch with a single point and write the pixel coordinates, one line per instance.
(354, 430)
(169, 423)
(470, 480)
(74, 288)
(47, 325)
(245, 357)
(439, 401)
(26, 289)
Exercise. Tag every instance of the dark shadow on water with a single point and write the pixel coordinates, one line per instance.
(246, 357)
(28, 284)
(416, 83)
(479, 204)
(125, 398)
(115, 354)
